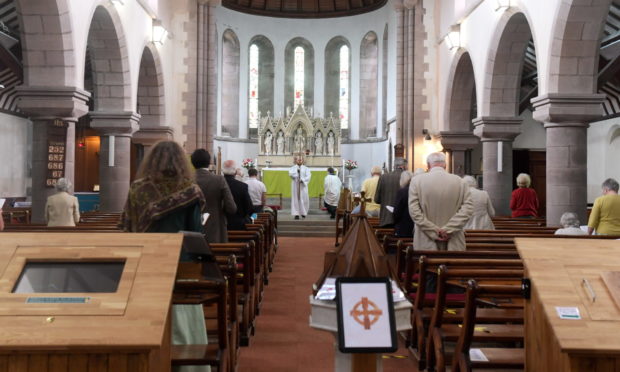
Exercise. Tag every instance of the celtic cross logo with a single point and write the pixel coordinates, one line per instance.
(366, 313)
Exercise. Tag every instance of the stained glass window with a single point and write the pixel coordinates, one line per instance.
(343, 104)
(299, 77)
(253, 89)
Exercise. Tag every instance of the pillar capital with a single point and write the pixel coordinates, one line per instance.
(148, 136)
(567, 109)
(115, 123)
(52, 102)
(495, 128)
(458, 140)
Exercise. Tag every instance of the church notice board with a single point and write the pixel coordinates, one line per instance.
(56, 152)
(279, 182)
(84, 302)
(572, 321)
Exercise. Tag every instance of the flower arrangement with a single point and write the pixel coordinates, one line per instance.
(248, 163)
(350, 165)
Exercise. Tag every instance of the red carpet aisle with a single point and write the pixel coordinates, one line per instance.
(284, 342)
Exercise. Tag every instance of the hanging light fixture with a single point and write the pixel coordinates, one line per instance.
(505, 4)
(453, 39)
(159, 32)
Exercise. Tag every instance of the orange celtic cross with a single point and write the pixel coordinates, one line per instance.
(365, 316)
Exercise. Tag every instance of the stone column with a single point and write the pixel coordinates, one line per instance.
(44, 105)
(566, 118)
(458, 143)
(497, 135)
(114, 170)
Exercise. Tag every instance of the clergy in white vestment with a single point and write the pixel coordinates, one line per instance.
(300, 178)
(331, 187)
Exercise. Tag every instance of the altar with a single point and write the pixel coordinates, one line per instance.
(278, 181)
(316, 139)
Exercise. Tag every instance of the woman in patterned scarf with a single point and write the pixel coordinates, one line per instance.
(164, 197)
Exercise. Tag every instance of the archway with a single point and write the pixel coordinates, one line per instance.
(291, 94)
(230, 84)
(369, 84)
(261, 82)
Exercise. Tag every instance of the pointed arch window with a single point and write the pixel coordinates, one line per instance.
(253, 89)
(343, 100)
(299, 76)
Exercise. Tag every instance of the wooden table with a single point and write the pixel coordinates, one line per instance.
(127, 330)
(556, 268)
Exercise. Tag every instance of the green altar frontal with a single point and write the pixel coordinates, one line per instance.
(278, 182)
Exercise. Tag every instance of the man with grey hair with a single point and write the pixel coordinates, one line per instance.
(440, 205)
(62, 209)
(386, 192)
(241, 196)
(570, 225)
(605, 216)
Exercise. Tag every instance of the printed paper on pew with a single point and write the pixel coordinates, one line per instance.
(389, 208)
(2, 202)
(476, 355)
(204, 218)
(328, 291)
(568, 312)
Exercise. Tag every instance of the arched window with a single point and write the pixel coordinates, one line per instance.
(338, 80)
(343, 102)
(298, 91)
(253, 109)
(384, 78)
(299, 74)
(260, 82)
(368, 86)
(229, 114)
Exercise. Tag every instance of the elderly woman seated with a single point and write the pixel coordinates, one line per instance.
(524, 201)
(570, 225)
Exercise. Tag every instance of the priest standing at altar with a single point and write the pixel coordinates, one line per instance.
(300, 178)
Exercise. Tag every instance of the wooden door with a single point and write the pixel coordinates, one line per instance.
(538, 173)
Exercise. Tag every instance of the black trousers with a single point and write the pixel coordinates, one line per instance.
(331, 209)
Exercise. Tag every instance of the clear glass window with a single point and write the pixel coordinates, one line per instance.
(343, 104)
(253, 89)
(299, 76)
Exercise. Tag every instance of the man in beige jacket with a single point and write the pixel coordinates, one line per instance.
(440, 205)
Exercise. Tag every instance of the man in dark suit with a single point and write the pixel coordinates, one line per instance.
(239, 190)
(386, 192)
(219, 199)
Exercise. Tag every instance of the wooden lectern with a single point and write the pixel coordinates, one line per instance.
(572, 273)
(85, 302)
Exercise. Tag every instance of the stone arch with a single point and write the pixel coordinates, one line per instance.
(289, 62)
(461, 94)
(332, 76)
(369, 81)
(501, 93)
(230, 84)
(266, 73)
(613, 154)
(107, 49)
(151, 93)
(573, 64)
(47, 42)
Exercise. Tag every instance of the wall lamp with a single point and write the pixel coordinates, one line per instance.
(159, 32)
(502, 4)
(453, 39)
(427, 136)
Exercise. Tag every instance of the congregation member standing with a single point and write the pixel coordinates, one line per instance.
(389, 185)
(440, 205)
(239, 190)
(570, 225)
(483, 208)
(300, 179)
(257, 190)
(369, 188)
(165, 199)
(62, 208)
(403, 224)
(331, 188)
(217, 195)
(605, 216)
(524, 201)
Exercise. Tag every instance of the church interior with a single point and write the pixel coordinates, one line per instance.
(325, 107)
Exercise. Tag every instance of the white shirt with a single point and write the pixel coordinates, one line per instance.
(332, 188)
(256, 189)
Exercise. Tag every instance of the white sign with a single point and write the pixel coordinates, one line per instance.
(366, 316)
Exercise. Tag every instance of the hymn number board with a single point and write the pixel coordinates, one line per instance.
(56, 151)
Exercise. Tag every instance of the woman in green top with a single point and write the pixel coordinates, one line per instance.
(605, 216)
